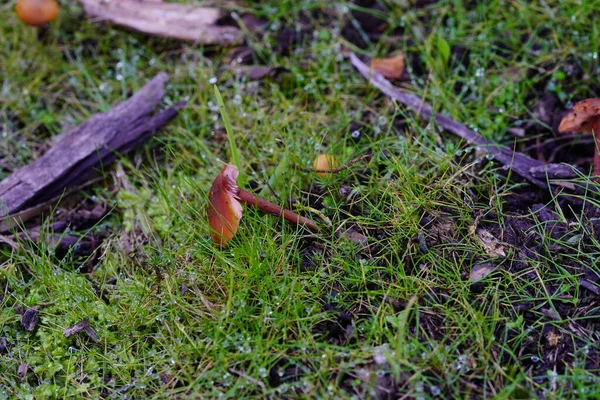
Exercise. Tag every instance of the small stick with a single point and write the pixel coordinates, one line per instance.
(518, 162)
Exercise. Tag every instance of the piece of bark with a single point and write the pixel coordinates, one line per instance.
(532, 170)
(259, 72)
(177, 21)
(77, 156)
(22, 370)
(30, 319)
(14, 220)
(82, 326)
(5, 345)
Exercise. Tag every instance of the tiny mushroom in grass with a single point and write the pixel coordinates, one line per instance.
(324, 163)
(225, 209)
(36, 12)
(585, 117)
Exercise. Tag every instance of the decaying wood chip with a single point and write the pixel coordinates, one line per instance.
(259, 72)
(30, 319)
(155, 17)
(480, 271)
(22, 371)
(534, 171)
(82, 326)
(590, 286)
(490, 243)
(77, 156)
(5, 345)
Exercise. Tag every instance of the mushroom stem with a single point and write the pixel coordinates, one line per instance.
(596, 132)
(274, 209)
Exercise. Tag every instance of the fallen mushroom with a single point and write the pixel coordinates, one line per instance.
(36, 12)
(585, 117)
(225, 209)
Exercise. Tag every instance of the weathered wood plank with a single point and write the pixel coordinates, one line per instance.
(97, 142)
(177, 21)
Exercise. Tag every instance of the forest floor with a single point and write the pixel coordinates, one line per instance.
(436, 273)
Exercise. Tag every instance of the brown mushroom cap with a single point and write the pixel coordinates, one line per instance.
(36, 12)
(224, 210)
(584, 117)
(324, 162)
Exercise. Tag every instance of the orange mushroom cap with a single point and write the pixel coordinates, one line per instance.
(225, 209)
(36, 12)
(324, 162)
(584, 117)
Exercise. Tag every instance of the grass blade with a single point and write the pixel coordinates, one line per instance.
(234, 153)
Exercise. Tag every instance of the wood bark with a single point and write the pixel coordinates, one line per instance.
(177, 21)
(79, 154)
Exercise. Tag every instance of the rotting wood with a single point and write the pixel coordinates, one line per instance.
(177, 21)
(536, 172)
(80, 153)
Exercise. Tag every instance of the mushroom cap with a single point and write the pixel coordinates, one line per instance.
(584, 116)
(324, 162)
(36, 12)
(224, 209)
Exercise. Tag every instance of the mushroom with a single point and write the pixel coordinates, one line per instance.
(225, 209)
(323, 163)
(585, 117)
(36, 12)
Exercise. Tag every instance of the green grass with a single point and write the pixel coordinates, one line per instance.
(178, 317)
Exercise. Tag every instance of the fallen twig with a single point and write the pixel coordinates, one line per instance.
(82, 326)
(532, 170)
(241, 374)
(177, 21)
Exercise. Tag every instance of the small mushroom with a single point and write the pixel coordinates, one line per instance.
(225, 209)
(36, 12)
(324, 163)
(585, 117)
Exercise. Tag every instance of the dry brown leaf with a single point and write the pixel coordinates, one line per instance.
(155, 17)
(553, 338)
(490, 243)
(480, 271)
(391, 68)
